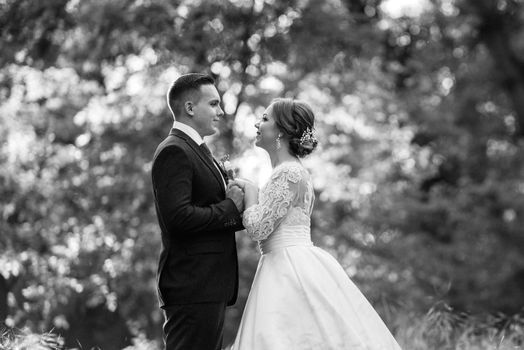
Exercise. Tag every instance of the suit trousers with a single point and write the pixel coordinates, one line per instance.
(194, 326)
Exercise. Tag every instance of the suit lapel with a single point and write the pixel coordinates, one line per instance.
(219, 166)
(200, 153)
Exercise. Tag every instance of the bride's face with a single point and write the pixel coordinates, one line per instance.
(267, 131)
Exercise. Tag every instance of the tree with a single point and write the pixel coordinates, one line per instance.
(417, 181)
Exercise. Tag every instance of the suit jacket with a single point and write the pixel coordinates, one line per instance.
(198, 259)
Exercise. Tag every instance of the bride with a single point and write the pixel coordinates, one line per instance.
(301, 298)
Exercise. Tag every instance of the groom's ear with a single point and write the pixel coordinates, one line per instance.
(188, 106)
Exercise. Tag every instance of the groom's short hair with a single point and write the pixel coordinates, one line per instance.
(185, 88)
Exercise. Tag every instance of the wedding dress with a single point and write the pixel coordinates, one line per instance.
(301, 297)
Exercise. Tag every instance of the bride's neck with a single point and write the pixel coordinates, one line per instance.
(280, 156)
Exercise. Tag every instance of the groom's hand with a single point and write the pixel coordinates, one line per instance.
(236, 194)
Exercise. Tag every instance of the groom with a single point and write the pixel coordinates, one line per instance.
(198, 216)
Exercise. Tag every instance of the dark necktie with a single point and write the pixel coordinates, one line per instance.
(207, 151)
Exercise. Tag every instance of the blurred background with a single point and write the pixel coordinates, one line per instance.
(419, 176)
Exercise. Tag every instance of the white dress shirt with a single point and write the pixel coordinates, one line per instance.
(189, 131)
(195, 136)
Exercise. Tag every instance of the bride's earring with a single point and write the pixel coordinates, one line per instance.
(278, 141)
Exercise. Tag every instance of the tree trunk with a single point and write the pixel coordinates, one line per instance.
(245, 57)
(3, 300)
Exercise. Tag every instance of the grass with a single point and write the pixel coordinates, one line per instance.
(441, 328)
(12, 339)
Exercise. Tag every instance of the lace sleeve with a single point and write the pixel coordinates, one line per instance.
(275, 199)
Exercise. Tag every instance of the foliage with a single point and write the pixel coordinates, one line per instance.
(26, 340)
(443, 328)
(418, 177)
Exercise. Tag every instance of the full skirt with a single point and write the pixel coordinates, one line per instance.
(302, 299)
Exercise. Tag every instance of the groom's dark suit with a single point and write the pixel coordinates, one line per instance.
(198, 269)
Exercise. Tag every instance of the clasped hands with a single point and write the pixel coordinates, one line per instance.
(243, 193)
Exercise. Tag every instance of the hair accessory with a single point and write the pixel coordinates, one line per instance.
(308, 138)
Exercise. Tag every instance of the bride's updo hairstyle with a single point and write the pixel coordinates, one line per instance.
(297, 122)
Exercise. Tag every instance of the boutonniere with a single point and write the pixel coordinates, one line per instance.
(227, 167)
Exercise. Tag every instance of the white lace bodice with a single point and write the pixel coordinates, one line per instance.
(282, 215)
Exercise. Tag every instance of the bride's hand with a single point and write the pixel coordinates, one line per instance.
(244, 184)
(249, 188)
(241, 183)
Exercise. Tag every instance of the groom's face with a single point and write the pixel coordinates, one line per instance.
(207, 111)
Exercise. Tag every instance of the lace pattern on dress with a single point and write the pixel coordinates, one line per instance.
(296, 216)
(275, 201)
